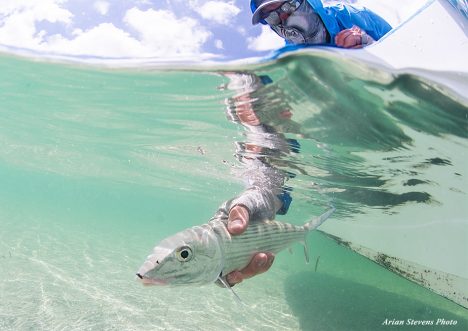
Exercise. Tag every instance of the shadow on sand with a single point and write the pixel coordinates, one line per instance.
(324, 302)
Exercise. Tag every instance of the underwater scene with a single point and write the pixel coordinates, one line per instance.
(98, 164)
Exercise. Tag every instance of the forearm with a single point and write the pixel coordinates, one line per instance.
(261, 204)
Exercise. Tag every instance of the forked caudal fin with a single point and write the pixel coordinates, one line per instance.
(317, 221)
(313, 224)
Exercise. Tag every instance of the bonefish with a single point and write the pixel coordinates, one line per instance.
(206, 253)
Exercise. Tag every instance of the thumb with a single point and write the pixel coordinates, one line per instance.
(238, 219)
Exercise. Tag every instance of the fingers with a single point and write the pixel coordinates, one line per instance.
(350, 38)
(238, 220)
(260, 263)
(234, 278)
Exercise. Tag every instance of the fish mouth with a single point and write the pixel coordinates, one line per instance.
(151, 281)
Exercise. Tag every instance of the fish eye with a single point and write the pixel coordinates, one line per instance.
(184, 254)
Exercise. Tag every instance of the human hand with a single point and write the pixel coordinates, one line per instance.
(353, 38)
(238, 220)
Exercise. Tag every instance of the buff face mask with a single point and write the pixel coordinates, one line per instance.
(303, 26)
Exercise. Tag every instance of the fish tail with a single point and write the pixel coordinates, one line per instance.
(313, 224)
(317, 221)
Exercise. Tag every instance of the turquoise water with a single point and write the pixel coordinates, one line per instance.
(97, 165)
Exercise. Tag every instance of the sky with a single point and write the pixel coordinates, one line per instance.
(168, 29)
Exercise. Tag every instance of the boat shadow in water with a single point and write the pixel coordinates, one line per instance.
(325, 302)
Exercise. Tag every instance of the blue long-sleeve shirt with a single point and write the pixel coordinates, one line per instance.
(340, 17)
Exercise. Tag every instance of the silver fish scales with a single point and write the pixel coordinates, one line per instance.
(203, 254)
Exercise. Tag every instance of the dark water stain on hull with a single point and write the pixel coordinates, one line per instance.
(449, 286)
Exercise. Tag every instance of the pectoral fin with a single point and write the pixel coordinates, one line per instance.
(226, 285)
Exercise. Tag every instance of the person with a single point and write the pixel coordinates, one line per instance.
(265, 196)
(310, 22)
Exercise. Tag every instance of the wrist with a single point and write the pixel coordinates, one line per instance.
(366, 39)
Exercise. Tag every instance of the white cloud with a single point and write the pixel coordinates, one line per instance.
(102, 7)
(220, 12)
(242, 30)
(158, 33)
(17, 26)
(104, 40)
(164, 34)
(219, 44)
(45, 9)
(267, 40)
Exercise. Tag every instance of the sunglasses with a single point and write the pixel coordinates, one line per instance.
(273, 17)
